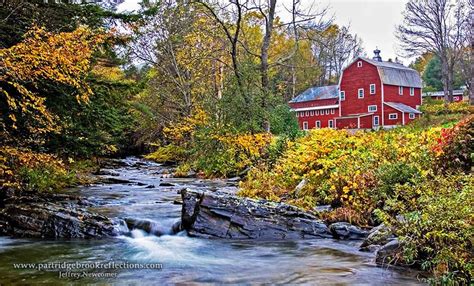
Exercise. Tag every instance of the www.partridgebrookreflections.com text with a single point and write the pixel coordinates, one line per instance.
(78, 269)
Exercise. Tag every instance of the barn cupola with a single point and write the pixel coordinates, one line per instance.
(377, 56)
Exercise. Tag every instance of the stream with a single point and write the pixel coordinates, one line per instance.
(134, 191)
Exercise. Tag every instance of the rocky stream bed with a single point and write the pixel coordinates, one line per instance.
(198, 230)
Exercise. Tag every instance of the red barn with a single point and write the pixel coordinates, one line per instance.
(371, 94)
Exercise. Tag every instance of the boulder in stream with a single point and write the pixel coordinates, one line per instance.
(344, 230)
(48, 216)
(220, 215)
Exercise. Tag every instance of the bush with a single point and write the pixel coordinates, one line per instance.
(436, 231)
(227, 155)
(455, 149)
(27, 170)
(343, 169)
(438, 107)
(168, 154)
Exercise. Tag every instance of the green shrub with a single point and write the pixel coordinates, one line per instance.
(437, 226)
(44, 179)
(168, 154)
(392, 174)
(27, 170)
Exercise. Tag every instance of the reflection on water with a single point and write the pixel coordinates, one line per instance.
(188, 260)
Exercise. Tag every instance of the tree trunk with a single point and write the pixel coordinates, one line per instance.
(264, 59)
(446, 77)
(471, 80)
(266, 43)
(293, 82)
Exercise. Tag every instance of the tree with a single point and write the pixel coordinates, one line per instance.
(436, 26)
(421, 62)
(432, 75)
(334, 47)
(63, 58)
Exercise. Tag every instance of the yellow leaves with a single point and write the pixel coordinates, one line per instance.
(184, 129)
(13, 159)
(63, 58)
(252, 145)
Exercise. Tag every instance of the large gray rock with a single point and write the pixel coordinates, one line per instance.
(345, 230)
(378, 236)
(390, 253)
(52, 216)
(220, 215)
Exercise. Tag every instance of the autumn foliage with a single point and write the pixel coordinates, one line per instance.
(61, 58)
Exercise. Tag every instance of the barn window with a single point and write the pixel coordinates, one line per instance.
(305, 125)
(411, 116)
(376, 121)
(318, 124)
(400, 90)
(312, 113)
(327, 111)
(372, 88)
(412, 91)
(343, 95)
(307, 113)
(360, 93)
(330, 124)
(297, 114)
(392, 116)
(372, 108)
(359, 64)
(317, 112)
(332, 111)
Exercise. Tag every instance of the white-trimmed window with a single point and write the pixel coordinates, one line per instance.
(330, 124)
(411, 115)
(342, 95)
(359, 64)
(333, 111)
(311, 113)
(317, 112)
(327, 111)
(360, 93)
(400, 90)
(297, 114)
(307, 113)
(318, 124)
(305, 125)
(412, 91)
(392, 116)
(372, 108)
(376, 121)
(372, 88)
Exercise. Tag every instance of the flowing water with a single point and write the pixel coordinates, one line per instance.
(136, 193)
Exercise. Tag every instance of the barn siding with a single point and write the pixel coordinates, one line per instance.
(312, 119)
(354, 78)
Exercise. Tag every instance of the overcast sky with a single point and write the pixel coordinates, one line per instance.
(373, 21)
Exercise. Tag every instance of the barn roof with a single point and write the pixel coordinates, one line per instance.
(402, 107)
(396, 74)
(317, 92)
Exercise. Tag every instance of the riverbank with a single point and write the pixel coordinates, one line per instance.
(136, 193)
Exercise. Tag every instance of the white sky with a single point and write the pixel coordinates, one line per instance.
(373, 21)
